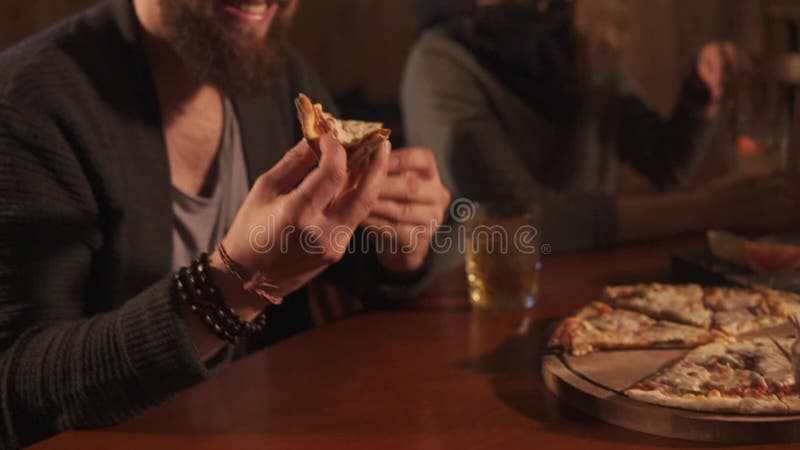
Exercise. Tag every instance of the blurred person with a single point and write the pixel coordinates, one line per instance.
(526, 100)
(135, 137)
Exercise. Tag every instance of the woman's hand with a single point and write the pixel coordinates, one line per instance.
(409, 211)
(724, 69)
(294, 224)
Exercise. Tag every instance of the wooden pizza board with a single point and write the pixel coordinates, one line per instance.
(594, 384)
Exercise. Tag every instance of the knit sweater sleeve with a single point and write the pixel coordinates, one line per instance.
(60, 367)
(664, 149)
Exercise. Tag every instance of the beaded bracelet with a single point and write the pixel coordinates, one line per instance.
(194, 287)
(201, 266)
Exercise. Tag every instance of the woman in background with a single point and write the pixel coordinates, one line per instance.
(524, 100)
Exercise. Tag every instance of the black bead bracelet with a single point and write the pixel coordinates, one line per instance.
(193, 287)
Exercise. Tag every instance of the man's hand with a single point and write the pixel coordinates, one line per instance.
(724, 69)
(409, 211)
(294, 224)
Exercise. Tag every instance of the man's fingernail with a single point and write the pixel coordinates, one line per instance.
(394, 162)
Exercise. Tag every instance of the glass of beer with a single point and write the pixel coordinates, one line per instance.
(503, 255)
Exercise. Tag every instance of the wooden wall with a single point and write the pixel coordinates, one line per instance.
(19, 18)
(357, 42)
(351, 42)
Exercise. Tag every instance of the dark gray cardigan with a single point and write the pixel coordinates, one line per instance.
(89, 331)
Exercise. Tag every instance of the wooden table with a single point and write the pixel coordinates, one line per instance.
(434, 377)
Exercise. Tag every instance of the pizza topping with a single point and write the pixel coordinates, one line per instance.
(781, 304)
(742, 321)
(683, 304)
(359, 139)
(724, 299)
(684, 378)
(744, 382)
(754, 375)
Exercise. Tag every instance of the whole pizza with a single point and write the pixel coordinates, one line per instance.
(722, 372)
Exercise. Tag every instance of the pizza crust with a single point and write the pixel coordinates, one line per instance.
(767, 405)
(731, 405)
(792, 402)
(691, 402)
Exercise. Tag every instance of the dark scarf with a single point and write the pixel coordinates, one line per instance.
(532, 53)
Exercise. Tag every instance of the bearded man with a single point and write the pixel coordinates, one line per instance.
(135, 138)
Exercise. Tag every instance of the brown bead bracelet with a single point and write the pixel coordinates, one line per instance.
(193, 286)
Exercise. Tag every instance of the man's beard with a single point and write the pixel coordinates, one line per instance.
(238, 63)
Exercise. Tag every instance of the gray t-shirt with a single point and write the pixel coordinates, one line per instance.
(199, 223)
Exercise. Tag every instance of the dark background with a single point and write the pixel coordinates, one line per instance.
(359, 46)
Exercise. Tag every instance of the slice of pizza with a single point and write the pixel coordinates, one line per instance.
(359, 139)
(765, 356)
(598, 326)
(749, 377)
(739, 311)
(677, 303)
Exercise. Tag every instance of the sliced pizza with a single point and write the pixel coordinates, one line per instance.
(677, 303)
(749, 377)
(359, 139)
(602, 327)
